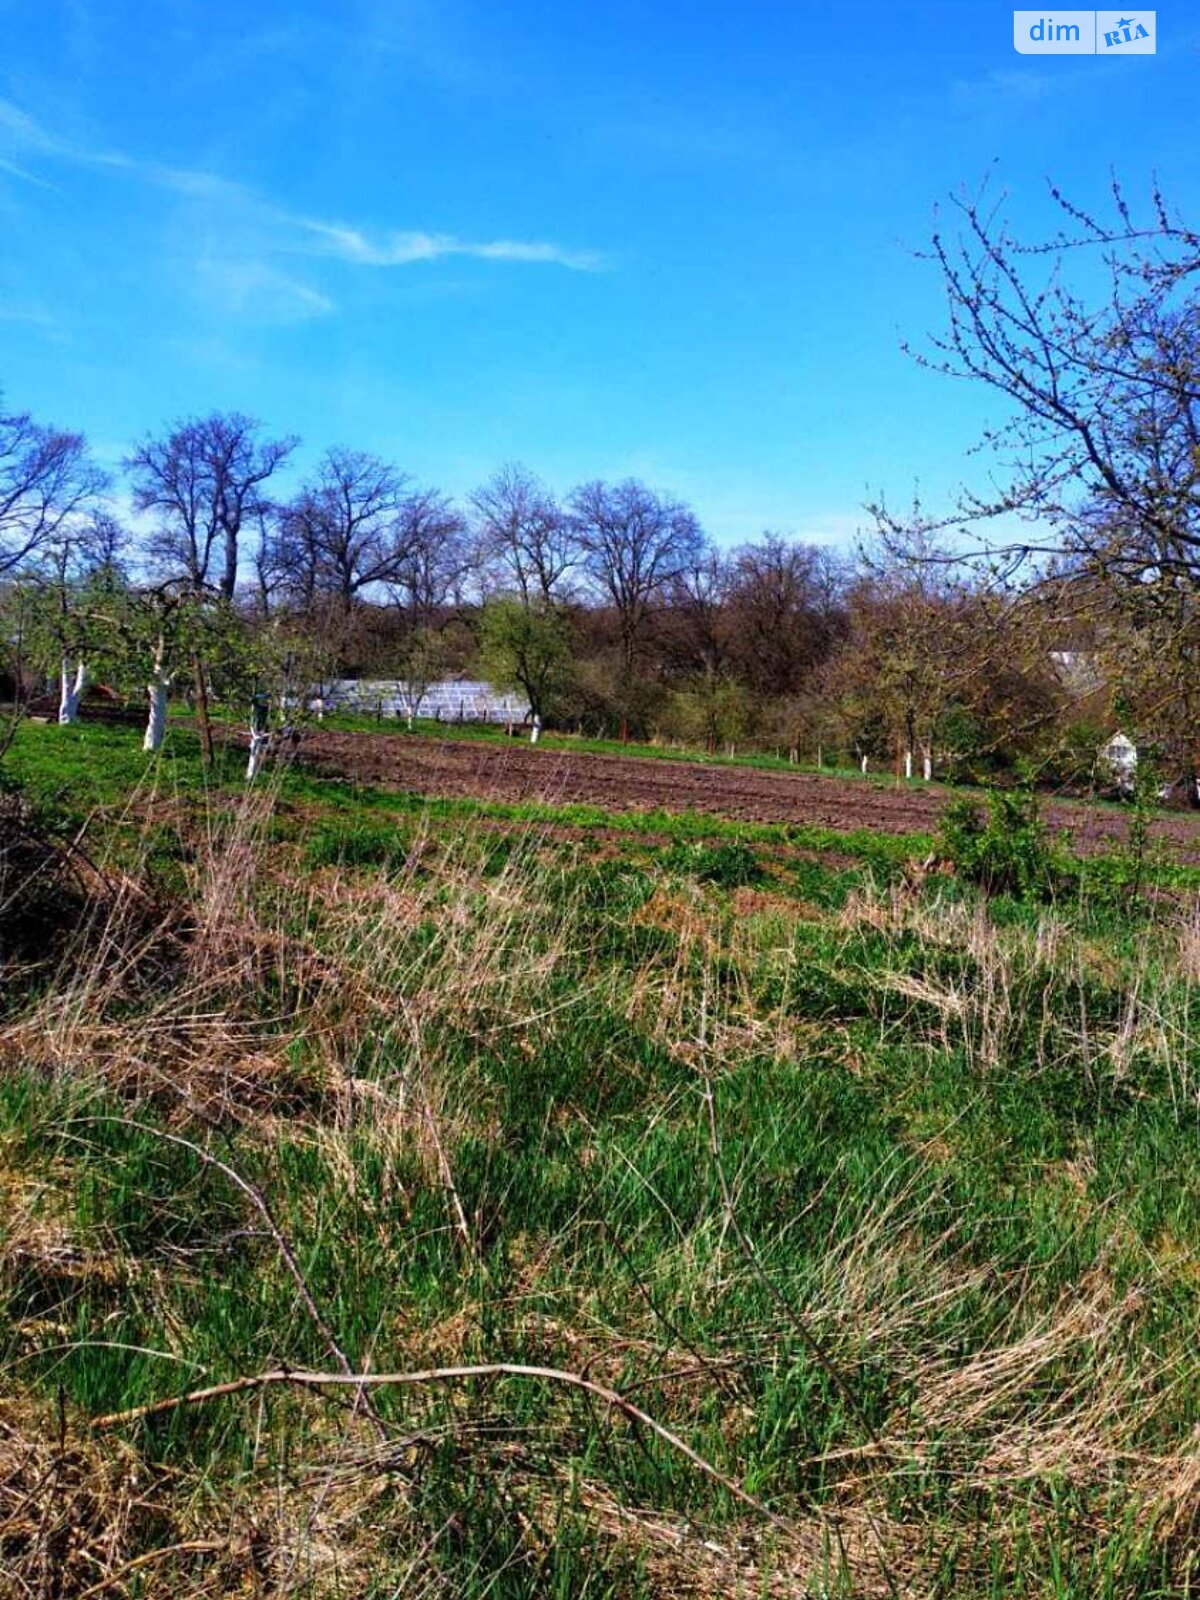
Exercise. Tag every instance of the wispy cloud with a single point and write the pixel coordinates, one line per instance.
(15, 171)
(259, 290)
(253, 283)
(1003, 87)
(404, 249)
(33, 315)
(24, 132)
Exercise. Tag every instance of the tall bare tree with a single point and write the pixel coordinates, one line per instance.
(692, 632)
(524, 535)
(784, 612)
(426, 590)
(432, 557)
(635, 544)
(1099, 448)
(46, 480)
(341, 535)
(205, 482)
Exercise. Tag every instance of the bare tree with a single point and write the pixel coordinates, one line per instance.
(636, 544)
(46, 481)
(525, 535)
(205, 481)
(426, 590)
(785, 611)
(341, 535)
(1104, 395)
(692, 632)
(432, 556)
(1100, 450)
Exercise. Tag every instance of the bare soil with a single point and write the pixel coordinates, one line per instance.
(517, 772)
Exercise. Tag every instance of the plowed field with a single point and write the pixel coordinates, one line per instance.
(515, 772)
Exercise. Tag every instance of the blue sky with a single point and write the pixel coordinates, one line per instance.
(673, 241)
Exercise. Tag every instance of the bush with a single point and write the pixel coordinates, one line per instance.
(729, 866)
(364, 845)
(41, 896)
(1003, 847)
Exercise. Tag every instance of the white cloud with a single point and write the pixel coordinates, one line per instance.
(1011, 86)
(34, 315)
(403, 249)
(275, 230)
(257, 289)
(26, 134)
(15, 171)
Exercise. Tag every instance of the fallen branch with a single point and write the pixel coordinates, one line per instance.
(259, 1200)
(496, 1369)
(189, 1547)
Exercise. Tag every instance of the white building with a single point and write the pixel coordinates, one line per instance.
(453, 700)
(1120, 757)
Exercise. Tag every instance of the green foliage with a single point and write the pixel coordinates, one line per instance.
(1120, 876)
(730, 866)
(712, 713)
(358, 844)
(1072, 763)
(527, 647)
(1004, 846)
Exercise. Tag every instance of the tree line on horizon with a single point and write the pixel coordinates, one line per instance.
(610, 611)
(613, 613)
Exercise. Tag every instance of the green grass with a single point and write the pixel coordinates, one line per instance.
(933, 1297)
(75, 773)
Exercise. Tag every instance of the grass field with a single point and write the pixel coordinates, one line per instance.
(736, 1209)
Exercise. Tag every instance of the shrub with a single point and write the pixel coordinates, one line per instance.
(729, 866)
(42, 897)
(1120, 875)
(1003, 847)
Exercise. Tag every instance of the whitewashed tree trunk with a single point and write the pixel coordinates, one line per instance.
(535, 732)
(258, 751)
(864, 766)
(156, 722)
(73, 685)
(157, 689)
(927, 764)
(908, 764)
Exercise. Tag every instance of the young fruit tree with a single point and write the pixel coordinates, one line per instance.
(150, 634)
(527, 647)
(1091, 339)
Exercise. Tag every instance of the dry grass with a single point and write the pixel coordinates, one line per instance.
(363, 1040)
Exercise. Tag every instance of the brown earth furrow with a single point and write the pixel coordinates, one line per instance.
(517, 772)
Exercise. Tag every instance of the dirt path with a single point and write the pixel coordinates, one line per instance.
(639, 783)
